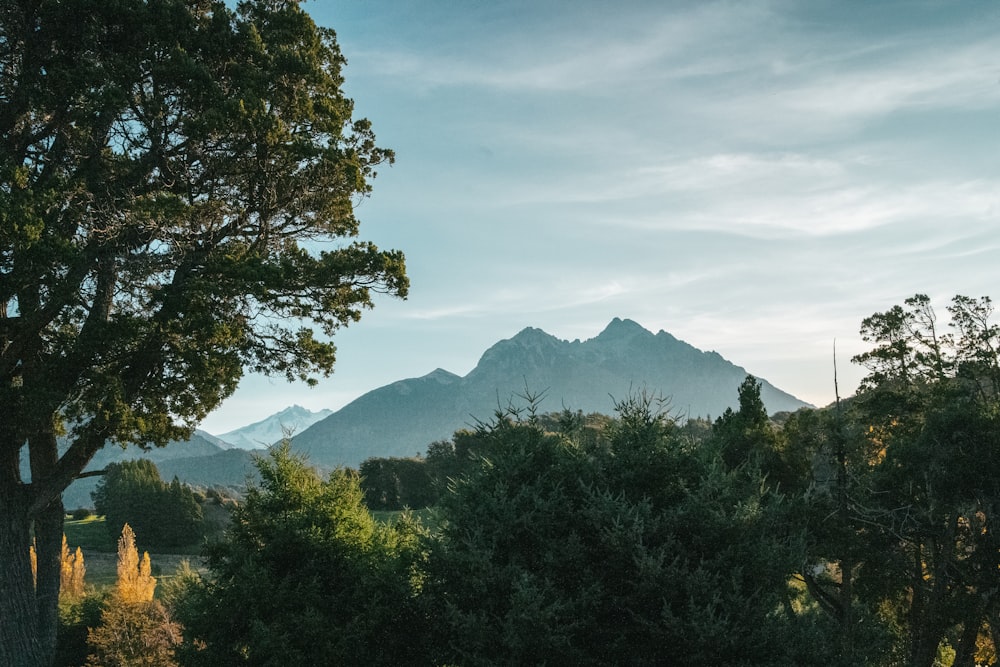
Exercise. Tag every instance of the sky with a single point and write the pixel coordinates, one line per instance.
(753, 177)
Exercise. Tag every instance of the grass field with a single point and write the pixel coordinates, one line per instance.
(89, 534)
(100, 549)
(101, 557)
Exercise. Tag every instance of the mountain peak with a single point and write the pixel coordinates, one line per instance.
(531, 335)
(441, 375)
(269, 430)
(405, 417)
(619, 328)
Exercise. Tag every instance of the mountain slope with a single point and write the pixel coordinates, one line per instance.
(266, 432)
(198, 460)
(402, 418)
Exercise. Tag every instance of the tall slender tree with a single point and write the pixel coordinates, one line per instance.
(177, 190)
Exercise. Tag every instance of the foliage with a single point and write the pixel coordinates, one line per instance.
(81, 513)
(134, 629)
(177, 190)
(395, 483)
(398, 483)
(135, 581)
(132, 492)
(747, 435)
(133, 634)
(72, 572)
(315, 578)
(901, 516)
(612, 553)
(76, 617)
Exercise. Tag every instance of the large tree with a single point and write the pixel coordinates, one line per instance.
(177, 187)
(902, 518)
(931, 401)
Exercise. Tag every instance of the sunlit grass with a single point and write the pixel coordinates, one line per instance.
(89, 534)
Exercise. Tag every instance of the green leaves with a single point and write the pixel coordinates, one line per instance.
(170, 173)
(171, 170)
(315, 577)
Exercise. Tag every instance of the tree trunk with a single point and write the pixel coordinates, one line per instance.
(48, 524)
(29, 605)
(847, 607)
(48, 545)
(19, 641)
(923, 641)
(965, 654)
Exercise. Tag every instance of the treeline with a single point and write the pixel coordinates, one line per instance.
(858, 534)
(397, 483)
(164, 514)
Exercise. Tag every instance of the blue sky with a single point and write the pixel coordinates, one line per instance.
(753, 177)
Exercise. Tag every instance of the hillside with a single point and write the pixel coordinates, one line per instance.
(402, 418)
(198, 460)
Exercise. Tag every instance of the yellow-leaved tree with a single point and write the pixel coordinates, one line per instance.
(135, 629)
(71, 572)
(135, 581)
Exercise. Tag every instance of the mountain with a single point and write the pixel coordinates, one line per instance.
(266, 432)
(402, 418)
(197, 460)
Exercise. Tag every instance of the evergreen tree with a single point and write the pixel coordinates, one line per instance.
(165, 515)
(637, 549)
(315, 579)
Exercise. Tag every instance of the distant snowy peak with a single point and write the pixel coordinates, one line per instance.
(263, 434)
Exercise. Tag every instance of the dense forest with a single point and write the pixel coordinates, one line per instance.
(856, 534)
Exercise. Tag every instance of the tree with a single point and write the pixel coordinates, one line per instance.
(903, 514)
(131, 492)
(135, 630)
(932, 408)
(634, 549)
(396, 483)
(72, 572)
(747, 434)
(135, 580)
(177, 187)
(315, 578)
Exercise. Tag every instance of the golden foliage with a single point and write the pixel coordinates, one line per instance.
(34, 562)
(986, 653)
(133, 634)
(71, 572)
(135, 582)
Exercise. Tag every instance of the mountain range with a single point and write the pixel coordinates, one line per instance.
(402, 418)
